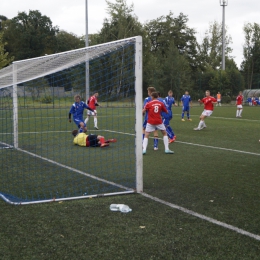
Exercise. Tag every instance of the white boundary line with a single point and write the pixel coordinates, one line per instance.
(181, 142)
(221, 117)
(201, 145)
(203, 217)
(187, 211)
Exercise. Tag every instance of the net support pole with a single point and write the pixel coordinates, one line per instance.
(138, 112)
(87, 56)
(15, 107)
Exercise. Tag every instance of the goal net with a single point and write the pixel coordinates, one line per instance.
(39, 161)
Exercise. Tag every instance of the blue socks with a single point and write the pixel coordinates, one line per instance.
(170, 132)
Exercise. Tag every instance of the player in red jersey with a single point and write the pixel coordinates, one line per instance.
(92, 103)
(239, 102)
(208, 102)
(154, 121)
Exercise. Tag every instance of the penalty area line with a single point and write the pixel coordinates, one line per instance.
(203, 217)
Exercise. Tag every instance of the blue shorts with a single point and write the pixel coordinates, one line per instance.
(77, 121)
(185, 108)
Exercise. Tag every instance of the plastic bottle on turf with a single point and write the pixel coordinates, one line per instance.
(120, 207)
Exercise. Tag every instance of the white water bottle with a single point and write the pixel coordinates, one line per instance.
(120, 207)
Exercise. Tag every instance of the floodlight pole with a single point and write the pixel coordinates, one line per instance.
(87, 61)
(223, 3)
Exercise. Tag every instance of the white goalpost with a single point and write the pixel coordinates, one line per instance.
(36, 94)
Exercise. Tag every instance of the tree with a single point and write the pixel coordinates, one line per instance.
(4, 56)
(123, 23)
(167, 30)
(251, 63)
(68, 41)
(29, 35)
(210, 50)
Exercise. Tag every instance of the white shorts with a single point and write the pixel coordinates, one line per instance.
(150, 128)
(239, 106)
(219, 100)
(90, 113)
(207, 112)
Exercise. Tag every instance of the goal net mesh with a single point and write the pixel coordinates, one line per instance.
(39, 161)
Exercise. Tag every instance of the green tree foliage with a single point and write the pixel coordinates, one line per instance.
(4, 56)
(210, 50)
(228, 82)
(29, 35)
(68, 41)
(123, 23)
(251, 63)
(168, 29)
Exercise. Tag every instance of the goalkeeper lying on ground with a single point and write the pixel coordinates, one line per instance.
(82, 139)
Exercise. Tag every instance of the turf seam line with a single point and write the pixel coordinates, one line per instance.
(203, 217)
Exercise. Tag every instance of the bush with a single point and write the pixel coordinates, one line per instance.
(226, 100)
(46, 100)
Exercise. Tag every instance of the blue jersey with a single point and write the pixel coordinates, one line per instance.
(148, 99)
(77, 110)
(169, 101)
(186, 100)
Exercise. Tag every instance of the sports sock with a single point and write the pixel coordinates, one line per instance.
(86, 120)
(166, 142)
(182, 115)
(170, 135)
(237, 113)
(188, 115)
(145, 143)
(240, 112)
(143, 136)
(102, 140)
(201, 123)
(155, 141)
(95, 121)
(170, 129)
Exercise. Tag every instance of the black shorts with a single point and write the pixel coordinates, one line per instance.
(93, 141)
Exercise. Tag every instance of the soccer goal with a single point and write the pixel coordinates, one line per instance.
(39, 162)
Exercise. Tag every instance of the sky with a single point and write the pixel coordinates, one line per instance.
(69, 15)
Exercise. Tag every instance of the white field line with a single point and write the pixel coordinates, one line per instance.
(220, 117)
(203, 217)
(56, 117)
(75, 170)
(187, 211)
(201, 145)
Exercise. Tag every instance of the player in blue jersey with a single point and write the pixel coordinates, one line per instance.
(186, 104)
(77, 110)
(169, 102)
(150, 90)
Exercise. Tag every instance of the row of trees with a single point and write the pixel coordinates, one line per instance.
(173, 58)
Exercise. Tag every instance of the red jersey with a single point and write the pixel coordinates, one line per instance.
(239, 100)
(92, 101)
(154, 109)
(207, 101)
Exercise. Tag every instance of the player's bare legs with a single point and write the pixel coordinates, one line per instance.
(165, 141)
